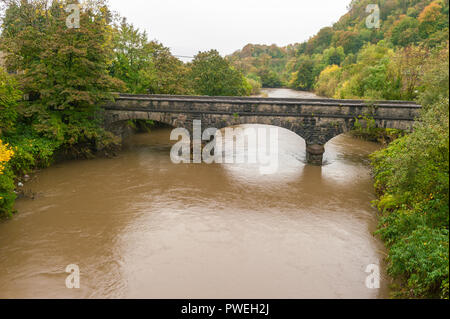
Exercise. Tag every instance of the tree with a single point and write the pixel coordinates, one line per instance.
(65, 69)
(211, 74)
(269, 78)
(328, 81)
(432, 19)
(146, 67)
(171, 73)
(369, 77)
(435, 77)
(334, 56)
(412, 173)
(351, 41)
(132, 61)
(303, 78)
(406, 32)
(407, 67)
(9, 96)
(7, 195)
(412, 176)
(319, 42)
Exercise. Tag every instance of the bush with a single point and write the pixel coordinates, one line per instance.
(210, 74)
(423, 258)
(7, 195)
(412, 178)
(365, 128)
(31, 151)
(328, 81)
(255, 86)
(9, 95)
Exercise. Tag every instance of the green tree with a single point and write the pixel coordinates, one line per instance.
(412, 174)
(171, 73)
(432, 19)
(304, 77)
(328, 81)
(370, 77)
(9, 97)
(412, 179)
(406, 32)
(351, 41)
(319, 42)
(132, 61)
(65, 69)
(269, 78)
(406, 69)
(211, 74)
(334, 56)
(435, 77)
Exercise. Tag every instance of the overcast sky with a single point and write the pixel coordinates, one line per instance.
(189, 26)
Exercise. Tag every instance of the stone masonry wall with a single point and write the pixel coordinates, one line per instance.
(317, 121)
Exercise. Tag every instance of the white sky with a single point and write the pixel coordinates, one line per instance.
(190, 26)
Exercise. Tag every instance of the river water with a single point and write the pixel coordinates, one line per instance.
(138, 226)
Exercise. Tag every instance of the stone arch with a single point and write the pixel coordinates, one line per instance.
(116, 121)
(175, 120)
(315, 129)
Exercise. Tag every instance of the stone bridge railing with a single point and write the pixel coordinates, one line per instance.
(315, 120)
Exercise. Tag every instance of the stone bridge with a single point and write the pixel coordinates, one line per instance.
(316, 120)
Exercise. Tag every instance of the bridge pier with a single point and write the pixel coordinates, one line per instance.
(314, 154)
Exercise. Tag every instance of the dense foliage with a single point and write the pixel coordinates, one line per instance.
(211, 74)
(381, 63)
(412, 178)
(9, 94)
(262, 63)
(149, 67)
(146, 66)
(64, 73)
(7, 195)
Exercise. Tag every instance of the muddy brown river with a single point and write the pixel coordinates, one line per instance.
(138, 226)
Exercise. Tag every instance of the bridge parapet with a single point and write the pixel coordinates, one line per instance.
(315, 120)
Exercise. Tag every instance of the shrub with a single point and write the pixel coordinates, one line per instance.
(412, 177)
(7, 195)
(423, 258)
(9, 95)
(328, 81)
